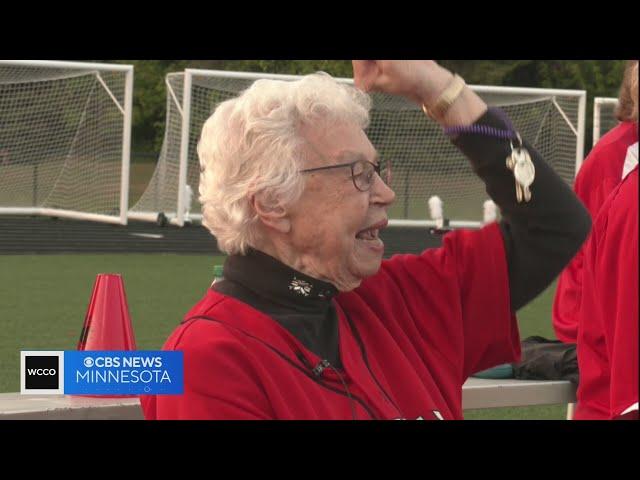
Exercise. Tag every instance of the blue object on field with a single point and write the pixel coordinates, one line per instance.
(500, 371)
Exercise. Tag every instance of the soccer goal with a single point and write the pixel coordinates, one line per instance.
(425, 163)
(65, 135)
(604, 118)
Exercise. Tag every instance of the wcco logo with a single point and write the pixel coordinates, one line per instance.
(41, 372)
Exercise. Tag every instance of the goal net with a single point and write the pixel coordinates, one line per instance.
(604, 118)
(425, 163)
(65, 131)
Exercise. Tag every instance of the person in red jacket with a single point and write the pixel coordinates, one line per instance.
(608, 331)
(600, 173)
(608, 319)
(309, 321)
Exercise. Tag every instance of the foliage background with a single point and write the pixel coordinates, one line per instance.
(600, 78)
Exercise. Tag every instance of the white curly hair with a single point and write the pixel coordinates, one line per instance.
(252, 145)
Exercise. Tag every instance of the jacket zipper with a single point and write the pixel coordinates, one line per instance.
(356, 335)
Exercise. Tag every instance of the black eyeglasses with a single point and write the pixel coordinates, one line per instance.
(362, 172)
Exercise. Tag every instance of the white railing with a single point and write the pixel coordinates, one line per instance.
(476, 394)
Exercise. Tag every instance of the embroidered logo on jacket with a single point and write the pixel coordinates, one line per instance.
(300, 287)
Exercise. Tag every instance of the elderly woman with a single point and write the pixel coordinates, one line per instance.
(309, 321)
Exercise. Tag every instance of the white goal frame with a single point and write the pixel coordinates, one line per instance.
(185, 110)
(598, 103)
(126, 108)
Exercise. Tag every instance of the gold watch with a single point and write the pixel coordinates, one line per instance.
(446, 98)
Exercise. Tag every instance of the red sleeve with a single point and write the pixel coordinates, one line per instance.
(457, 297)
(566, 304)
(491, 334)
(619, 266)
(623, 347)
(611, 263)
(593, 185)
(218, 378)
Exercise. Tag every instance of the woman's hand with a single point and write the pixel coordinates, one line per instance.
(421, 81)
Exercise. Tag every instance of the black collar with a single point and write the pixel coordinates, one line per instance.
(275, 281)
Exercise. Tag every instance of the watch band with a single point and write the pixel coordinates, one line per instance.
(446, 98)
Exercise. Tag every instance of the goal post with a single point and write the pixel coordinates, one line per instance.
(65, 139)
(604, 118)
(425, 162)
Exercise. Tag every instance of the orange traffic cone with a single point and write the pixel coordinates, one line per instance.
(107, 324)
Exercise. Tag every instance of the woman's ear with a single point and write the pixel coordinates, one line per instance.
(270, 212)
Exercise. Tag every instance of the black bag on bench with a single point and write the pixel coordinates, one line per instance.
(544, 359)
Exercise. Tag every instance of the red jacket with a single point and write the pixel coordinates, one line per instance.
(425, 323)
(599, 175)
(608, 329)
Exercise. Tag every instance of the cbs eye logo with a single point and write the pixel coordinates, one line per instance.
(41, 372)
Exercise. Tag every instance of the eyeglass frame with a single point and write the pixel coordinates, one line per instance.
(376, 168)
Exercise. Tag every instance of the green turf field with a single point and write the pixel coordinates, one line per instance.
(44, 299)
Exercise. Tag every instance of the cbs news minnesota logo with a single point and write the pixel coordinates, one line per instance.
(101, 372)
